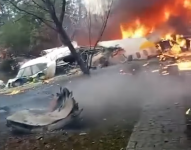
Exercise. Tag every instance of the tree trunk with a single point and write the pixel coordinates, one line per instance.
(65, 39)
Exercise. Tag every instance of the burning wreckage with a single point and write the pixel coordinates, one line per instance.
(173, 53)
(64, 112)
(175, 56)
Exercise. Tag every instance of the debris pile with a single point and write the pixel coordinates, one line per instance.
(175, 54)
(99, 56)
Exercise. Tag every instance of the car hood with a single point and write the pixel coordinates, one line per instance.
(11, 81)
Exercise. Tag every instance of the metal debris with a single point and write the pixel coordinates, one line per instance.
(83, 134)
(188, 112)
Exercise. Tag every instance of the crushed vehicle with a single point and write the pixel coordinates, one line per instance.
(38, 68)
(62, 114)
(42, 67)
(2, 84)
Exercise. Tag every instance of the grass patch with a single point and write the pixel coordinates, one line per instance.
(110, 138)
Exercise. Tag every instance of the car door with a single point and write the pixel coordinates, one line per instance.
(39, 68)
(27, 72)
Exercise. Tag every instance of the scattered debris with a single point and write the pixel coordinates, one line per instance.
(48, 81)
(39, 138)
(15, 92)
(83, 133)
(188, 111)
(155, 71)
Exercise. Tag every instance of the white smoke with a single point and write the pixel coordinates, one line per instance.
(98, 7)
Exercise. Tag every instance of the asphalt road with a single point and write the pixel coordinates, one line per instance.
(84, 88)
(105, 95)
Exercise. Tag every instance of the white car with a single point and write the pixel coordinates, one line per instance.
(33, 68)
(2, 84)
(45, 65)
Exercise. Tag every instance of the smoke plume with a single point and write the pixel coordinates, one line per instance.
(152, 14)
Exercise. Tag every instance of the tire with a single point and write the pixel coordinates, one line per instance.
(17, 83)
(41, 76)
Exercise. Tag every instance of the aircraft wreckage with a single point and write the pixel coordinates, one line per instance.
(64, 112)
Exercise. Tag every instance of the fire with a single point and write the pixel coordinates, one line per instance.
(168, 37)
(175, 50)
(166, 15)
(187, 4)
(184, 65)
(155, 17)
(137, 30)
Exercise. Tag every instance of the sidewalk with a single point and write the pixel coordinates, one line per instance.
(161, 127)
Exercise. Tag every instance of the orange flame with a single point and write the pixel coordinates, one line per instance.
(155, 17)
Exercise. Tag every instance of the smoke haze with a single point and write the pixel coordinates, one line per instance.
(107, 94)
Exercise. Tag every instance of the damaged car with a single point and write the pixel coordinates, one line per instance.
(33, 69)
(63, 113)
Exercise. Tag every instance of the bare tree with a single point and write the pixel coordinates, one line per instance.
(101, 20)
(57, 11)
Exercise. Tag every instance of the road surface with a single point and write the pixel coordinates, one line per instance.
(107, 98)
(162, 123)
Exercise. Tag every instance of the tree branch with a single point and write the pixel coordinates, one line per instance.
(104, 24)
(101, 32)
(89, 27)
(41, 7)
(63, 11)
(29, 13)
(49, 5)
(52, 12)
(73, 35)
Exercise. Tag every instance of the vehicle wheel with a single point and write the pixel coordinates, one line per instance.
(41, 76)
(17, 83)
